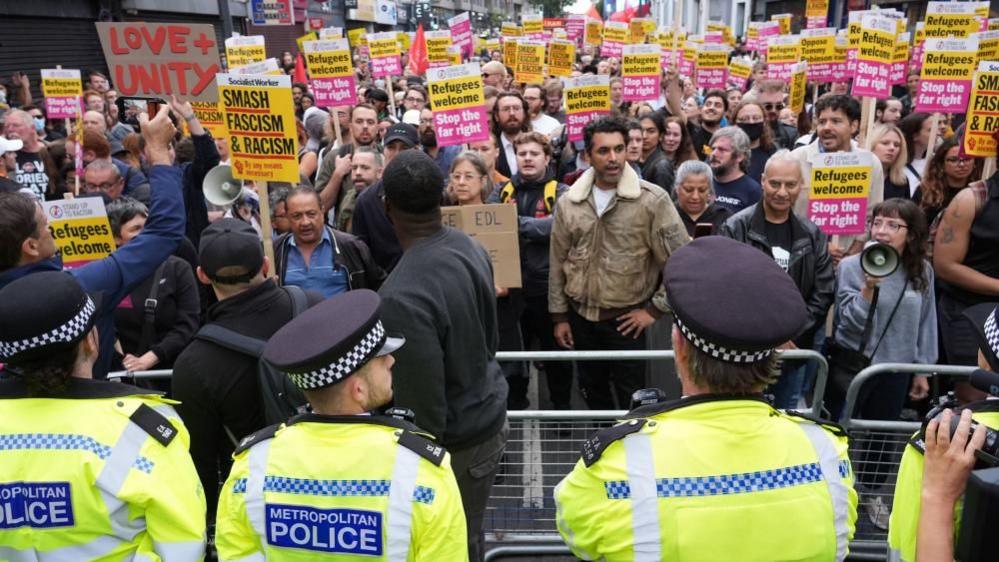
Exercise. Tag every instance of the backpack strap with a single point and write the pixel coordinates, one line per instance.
(230, 339)
(149, 310)
(507, 192)
(551, 188)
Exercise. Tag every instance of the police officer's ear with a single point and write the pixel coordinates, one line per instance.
(90, 346)
(203, 277)
(681, 348)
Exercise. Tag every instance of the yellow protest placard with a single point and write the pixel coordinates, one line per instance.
(840, 186)
(454, 54)
(492, 45)
(357, 37)
(561, 56)
(332, 71)
(785, 22)
(210, 115)
(640, 28)
(460, 91)
(244, 50)
(988, 45)
(404, 40)
(983, 112)
(614, 33)
(80, 230)
(818, 46)
(739, 71)
(799, 79)
(877, 40)
(510, 29)
(594, 32)
(260, 117)
(310, 36)
(530, 67)
(949, 63)
(816, 8)
(993, 24)
(382, 45)
(586, 98)
(437, 44)
(62, 88)
(331, 33)
(784, 50)
(533, 24)
(951, 19)
(510, 52)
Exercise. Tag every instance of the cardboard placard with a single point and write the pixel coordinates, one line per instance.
(616, 34)
(496, 228)
(155, 60)
(593, 32)
(63, 91)
(840, 187)
(459, 104)
(269, 67)
(260, 118)
(80, 229)
(585, 98)
(816, 12)
(332, 71)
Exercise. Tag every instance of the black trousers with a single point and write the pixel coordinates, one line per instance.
(536, 325)
(607, 385)
(508, 311)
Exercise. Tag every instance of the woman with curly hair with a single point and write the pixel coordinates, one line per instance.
(676, 142)
(947, 173)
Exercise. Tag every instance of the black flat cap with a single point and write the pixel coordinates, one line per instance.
(43, 313)
(985, 318)
(731, 300)
(331, 340)
(232, 247)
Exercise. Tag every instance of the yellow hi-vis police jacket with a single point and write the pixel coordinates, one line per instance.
(710, 478)
(341, 488)
(904, 521)
(101, 472)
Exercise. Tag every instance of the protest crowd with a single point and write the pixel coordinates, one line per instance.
(322, 256)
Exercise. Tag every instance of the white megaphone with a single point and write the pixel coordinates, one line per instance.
(220, 188)
(879, 259)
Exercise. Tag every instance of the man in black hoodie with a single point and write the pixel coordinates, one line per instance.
(534, 190)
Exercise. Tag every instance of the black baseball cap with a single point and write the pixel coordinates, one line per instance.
(377, 94)
(232, 247)
(402, 132)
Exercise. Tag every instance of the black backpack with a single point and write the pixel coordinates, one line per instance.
(280, 398)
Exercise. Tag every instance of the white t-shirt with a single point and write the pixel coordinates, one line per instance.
(511, 154)
(602, 199)
(545, 124)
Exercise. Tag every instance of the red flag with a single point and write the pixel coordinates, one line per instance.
(643, 11)
(418, 61)
(593, 13)
(624, 16)
(299, 74)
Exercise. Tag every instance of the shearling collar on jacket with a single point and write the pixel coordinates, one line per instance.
(628, 188)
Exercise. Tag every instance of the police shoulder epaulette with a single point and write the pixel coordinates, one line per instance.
(594, 446)
(423, 447)
(154, 423)
(830, 425)
(256, 437)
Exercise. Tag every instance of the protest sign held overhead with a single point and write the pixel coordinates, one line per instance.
(816, 14)
(951, 19)
(260, 118)
(799, 81)
(159, 59)
(561, 56)
(209, 114)
(818, 47)
(640, 72)
(874, 58)
(332, 72)
(586, 98)
(712, 66)
(80, 230)
(840, 186)
(461, 33)
(739, 71)
(267, 66)
(593, 32)
(534, 26)
(982, 121)
(783, 52)
(62, 89)
(945, 79)
(459, 104)
(244, 50)
(331, 33)
(530, 67)
(616, 34)
(437, 45)
(385, 54)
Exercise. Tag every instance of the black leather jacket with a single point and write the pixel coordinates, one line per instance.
(810, 265)
(659, 170)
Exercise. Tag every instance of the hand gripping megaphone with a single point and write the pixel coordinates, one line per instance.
(220, 188)
(879, 259)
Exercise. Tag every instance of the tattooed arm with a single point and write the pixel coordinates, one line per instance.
(951, 246)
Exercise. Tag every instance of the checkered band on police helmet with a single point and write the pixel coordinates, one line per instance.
(347, 364)
(721, 352)
(68, 332)
(992, 333)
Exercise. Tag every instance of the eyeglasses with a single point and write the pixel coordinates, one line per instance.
(773, 106)
(890, 226)
(414, 99)
(99, 186)
(467, 178)
(957, 160)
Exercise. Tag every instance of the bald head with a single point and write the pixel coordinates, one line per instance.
(94, 121)
(494, 74)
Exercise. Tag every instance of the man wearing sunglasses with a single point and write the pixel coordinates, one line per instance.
(771, 97)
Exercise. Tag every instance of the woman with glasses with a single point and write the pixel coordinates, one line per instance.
(903, 329)
(888, 144)
(947, 173)
(751, 118)
(469, 182)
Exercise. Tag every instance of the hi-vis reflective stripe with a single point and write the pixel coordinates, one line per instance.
(400, 507)
(895, 555)
(97, 548)
(646, 540)
(180, 551)
(254, 501)
(825, 450)
(255, 557)
(309, 487)
(567, 531)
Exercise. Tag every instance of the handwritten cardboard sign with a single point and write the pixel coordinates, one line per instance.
(495, 227)
(156, 60)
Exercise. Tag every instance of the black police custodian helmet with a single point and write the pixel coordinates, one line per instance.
(331, 341)
(731, 300)
(985, 318)
(44, 313)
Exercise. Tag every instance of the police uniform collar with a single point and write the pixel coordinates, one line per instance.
(387, 421)
(76, 388)
(671, 405)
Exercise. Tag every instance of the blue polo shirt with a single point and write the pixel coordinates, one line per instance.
(320, 274)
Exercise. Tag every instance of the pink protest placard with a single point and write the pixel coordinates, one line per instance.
(385, 58)
(901, 61)
(332, 71)
(459, 102)
(839, 190)
(574, 28)
(768, 30)
(640, 72)
(711, 69)
(63, 93)
(461, 33)
(946, 76)
(874, 57)
(586, 98)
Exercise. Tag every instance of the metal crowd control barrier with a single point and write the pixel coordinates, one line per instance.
(876, 448)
